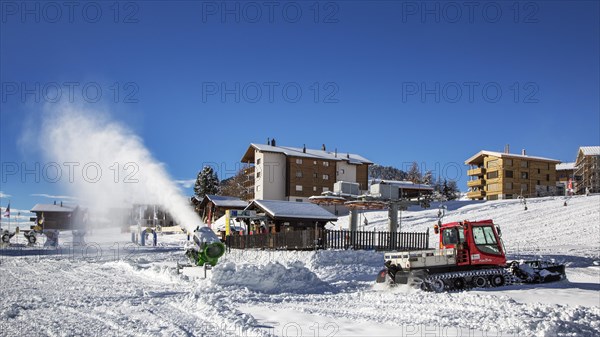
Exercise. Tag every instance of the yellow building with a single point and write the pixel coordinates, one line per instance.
(502, 175)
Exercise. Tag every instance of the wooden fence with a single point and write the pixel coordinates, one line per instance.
(330, 239)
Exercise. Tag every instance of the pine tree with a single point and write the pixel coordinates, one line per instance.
(428, 178)
(453, 191)
(414, 173)
(207, 182)
(445, 189)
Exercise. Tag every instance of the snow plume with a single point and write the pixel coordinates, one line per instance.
(105, 165)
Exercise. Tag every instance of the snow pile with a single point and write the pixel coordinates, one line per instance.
(342, 269)
(271, 278)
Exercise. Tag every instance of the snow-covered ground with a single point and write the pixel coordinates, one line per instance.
(112, 288)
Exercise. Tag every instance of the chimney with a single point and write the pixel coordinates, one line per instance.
(61, 204)
(507, 148)
(336, 152)
(268, 140)
(523, 153)
(304, 148)
(348, 155)
(54, 202)
(323, 147)
(273, 142)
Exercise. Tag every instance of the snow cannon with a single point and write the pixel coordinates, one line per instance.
(206, 249)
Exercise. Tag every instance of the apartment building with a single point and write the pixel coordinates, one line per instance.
(295, 174)
(503, 175)
(587, 170)
(564, 173)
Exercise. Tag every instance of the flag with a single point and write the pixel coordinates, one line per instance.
(7, 211)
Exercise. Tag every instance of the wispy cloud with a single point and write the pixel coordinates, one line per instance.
(186, 183)
(50, 196)
(4, 195)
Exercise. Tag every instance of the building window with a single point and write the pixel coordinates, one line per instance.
(257, 188)
(508, 174)
(298, 160)
(539, 182)
(326, 177)
(492, 163)
(508, 162)
(524, 187)
(493, 187)
(547, 177)
(524, 175)
(298, 174)
(299, 188)
(258, 161)
(315, 175)
(508, 196)
(299, 200)
(492, 175)
(325, 189)
(325, 163)
(508, 186)
(258, 174)
(539, 171)
(524, 163)
(342, 171)
(314, 188)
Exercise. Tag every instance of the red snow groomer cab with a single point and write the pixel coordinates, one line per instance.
(476, 243)
(471, 254)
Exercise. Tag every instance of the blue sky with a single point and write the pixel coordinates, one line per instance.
(367, 73)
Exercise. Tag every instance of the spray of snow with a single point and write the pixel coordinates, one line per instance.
(109, 164)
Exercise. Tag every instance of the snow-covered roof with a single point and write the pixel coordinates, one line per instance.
(507, 155)
(403, 184)
(565, 166)
(590, 150)
(310, 153)
(292, 210)
(226, 201)
(53, 208)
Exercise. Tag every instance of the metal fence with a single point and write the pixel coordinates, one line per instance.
(371, 240)
(311, 239)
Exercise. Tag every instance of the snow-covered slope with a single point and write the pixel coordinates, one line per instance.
(547, 227)
(110, 288)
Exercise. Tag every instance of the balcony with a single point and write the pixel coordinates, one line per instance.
(476, 195)
(249, 171)
(248, 183)
(475, 183)
(476, 171)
